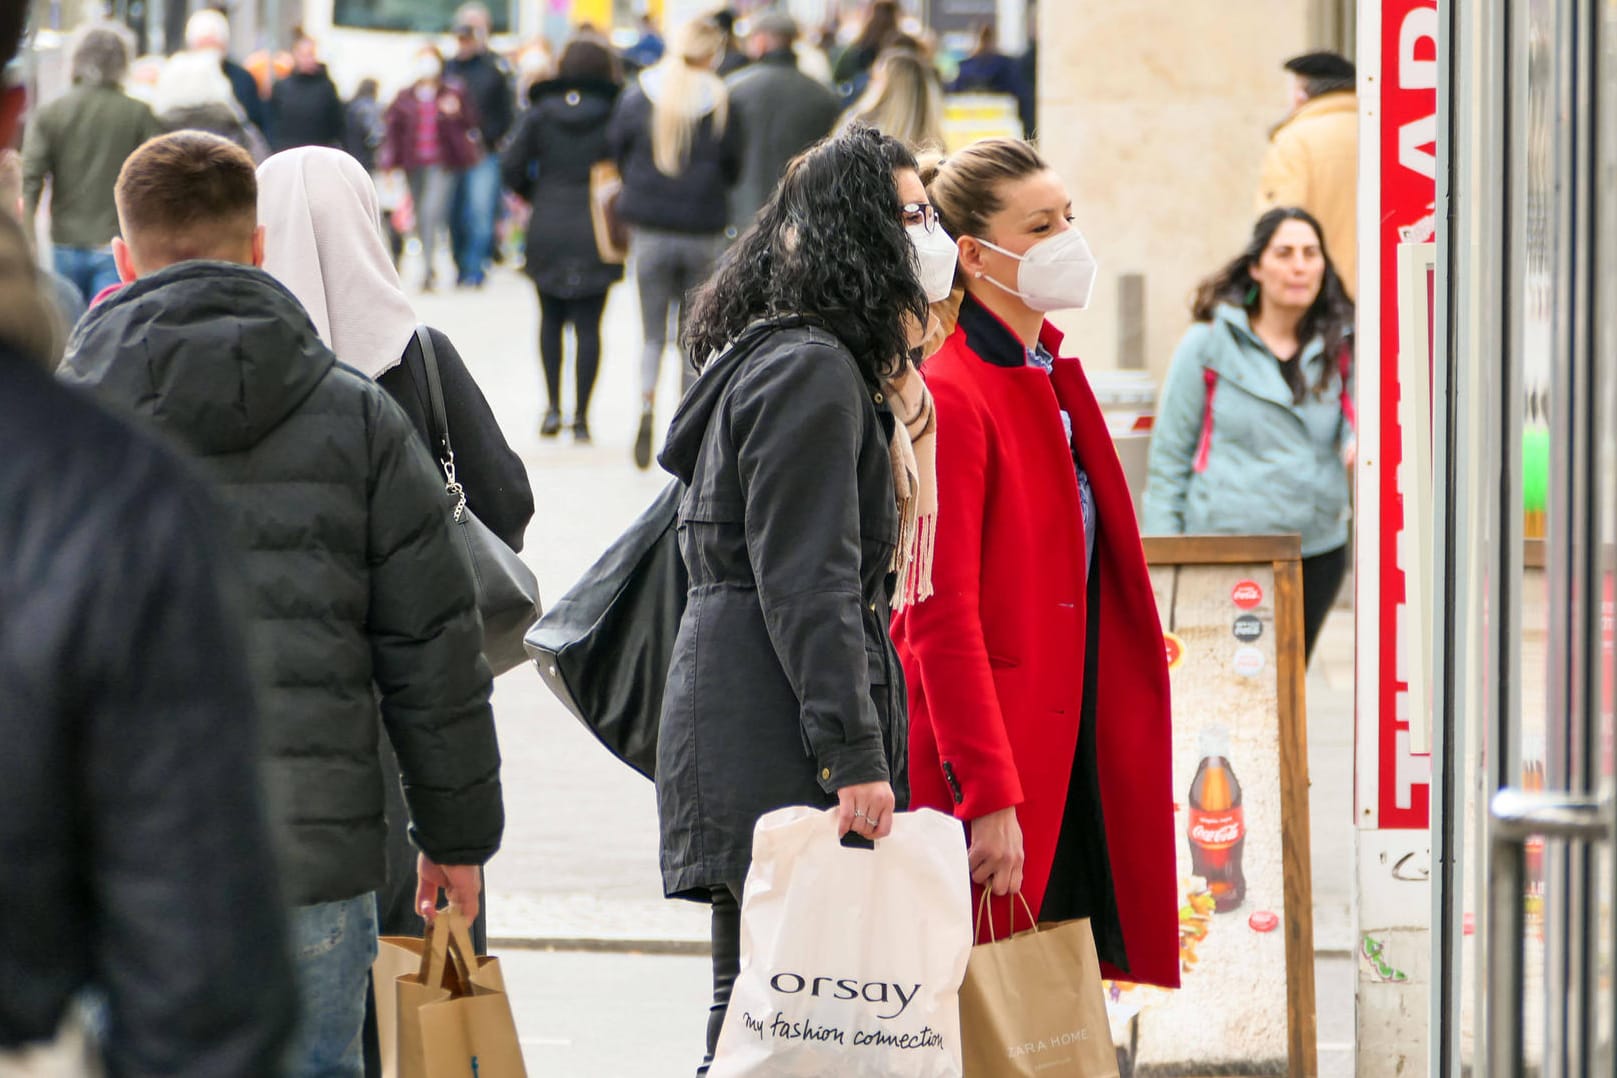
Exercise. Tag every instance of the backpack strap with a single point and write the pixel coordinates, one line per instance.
(1344, 367)
(1204, 448)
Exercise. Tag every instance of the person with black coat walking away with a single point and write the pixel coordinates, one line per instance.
(782, 110)
(784, 687)
(679, 152)
(561, 138)
(305, 109)
(360, 607)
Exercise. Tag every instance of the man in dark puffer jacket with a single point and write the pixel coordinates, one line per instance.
(358, 591)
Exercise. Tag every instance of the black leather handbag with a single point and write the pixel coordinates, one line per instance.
(604, 648)
(507, 590)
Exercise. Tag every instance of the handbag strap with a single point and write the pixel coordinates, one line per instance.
(438, 421)
(985, 906)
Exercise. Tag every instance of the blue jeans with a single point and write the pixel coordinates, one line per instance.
(334, 944)
(89, 268)
(475, 206)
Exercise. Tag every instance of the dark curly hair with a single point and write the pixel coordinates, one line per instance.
(829, 244)
(1330, 317)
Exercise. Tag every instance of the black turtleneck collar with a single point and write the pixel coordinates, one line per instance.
(990, 338)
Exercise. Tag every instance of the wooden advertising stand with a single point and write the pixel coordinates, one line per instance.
(1232, 615)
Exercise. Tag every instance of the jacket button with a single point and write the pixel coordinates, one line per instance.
(872, 608)
(825, 773)
(877, 398)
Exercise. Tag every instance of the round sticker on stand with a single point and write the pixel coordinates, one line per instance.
(1175, 648)
(1248, 662)
(1247, 594)
(1264, 921)
(1248, 628)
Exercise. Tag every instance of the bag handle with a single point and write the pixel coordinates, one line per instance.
(449, 940)
(986, 907)
(438, 421)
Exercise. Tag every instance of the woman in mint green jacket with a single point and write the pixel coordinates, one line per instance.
(1254, 431)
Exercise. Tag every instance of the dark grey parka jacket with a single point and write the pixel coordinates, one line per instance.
(784, 686)
(357, 592)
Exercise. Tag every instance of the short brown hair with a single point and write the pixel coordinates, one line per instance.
(965, 186)
(187, 195)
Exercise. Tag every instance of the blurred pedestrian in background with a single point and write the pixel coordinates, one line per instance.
(989, 71)
(878, 33)
(1038, 690)
(560, 139)
(904, 100)
(1254, 431)
(787, 444)
(734, 57)
(194, 95)
(1313, 158)
(78, 143)
(208, 30)
(131, 824)
(648, 47)
(432, 138)
(304, 107)
(679, 153)
(781, 110)
(361, 611)
(365, 125)
(64, 295)
(487, 82)
(364, 132)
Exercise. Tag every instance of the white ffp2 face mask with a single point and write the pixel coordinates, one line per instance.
(1056, 274)
(937, 254)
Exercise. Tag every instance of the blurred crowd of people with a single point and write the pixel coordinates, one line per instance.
(839, 285)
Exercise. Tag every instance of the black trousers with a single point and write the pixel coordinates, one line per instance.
(726, 965)
(584, 315)
(1322, 580)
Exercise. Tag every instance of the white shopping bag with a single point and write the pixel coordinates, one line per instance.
(851, 959)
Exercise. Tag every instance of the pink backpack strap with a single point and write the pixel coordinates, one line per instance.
(1344, 367)
(1205, 448)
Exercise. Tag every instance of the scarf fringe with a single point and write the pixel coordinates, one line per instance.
(915, 475)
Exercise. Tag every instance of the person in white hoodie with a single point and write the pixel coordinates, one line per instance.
(678, 149)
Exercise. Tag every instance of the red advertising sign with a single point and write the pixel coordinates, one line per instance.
(1407, 145)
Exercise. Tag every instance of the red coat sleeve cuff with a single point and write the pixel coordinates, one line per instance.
(977, 788)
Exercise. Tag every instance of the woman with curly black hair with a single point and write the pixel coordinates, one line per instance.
(784, 688)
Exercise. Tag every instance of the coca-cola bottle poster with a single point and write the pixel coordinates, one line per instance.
(1231, 1014)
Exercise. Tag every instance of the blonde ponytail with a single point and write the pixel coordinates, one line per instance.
(688, 85)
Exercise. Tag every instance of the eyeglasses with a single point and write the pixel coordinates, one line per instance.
(920, 213)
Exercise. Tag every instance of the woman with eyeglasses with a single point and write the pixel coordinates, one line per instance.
(804, 495)
(1038, 689)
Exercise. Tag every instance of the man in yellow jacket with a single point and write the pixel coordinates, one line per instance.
(1313, 156)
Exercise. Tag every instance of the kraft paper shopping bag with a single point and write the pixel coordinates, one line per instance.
(396, 956)
(1032, 1005)
(454, 1018)
(851, 959)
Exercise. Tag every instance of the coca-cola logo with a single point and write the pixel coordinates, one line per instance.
(1217, 830)
(1247, 594)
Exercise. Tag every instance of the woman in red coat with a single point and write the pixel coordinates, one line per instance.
(1037, 682)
